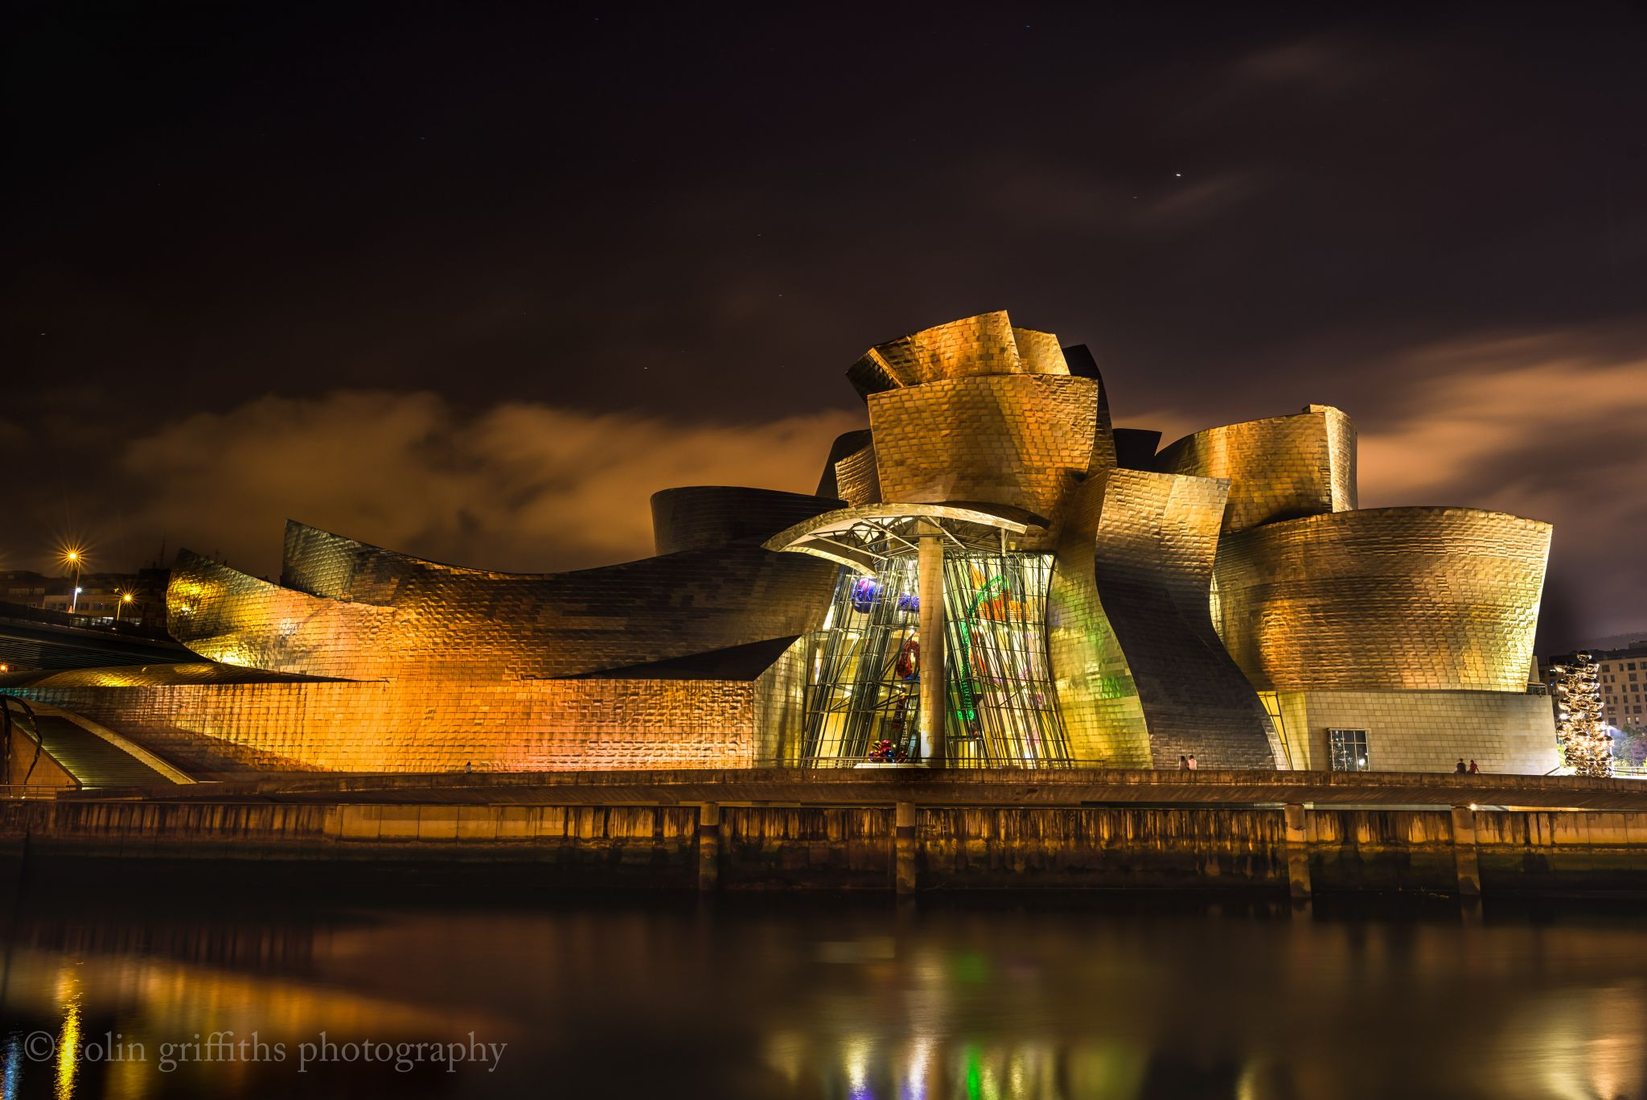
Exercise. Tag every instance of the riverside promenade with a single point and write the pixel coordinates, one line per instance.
(909, 830)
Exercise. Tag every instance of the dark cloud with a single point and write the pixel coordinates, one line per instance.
(521, 487)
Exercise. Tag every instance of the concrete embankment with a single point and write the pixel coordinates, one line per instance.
(907, 845)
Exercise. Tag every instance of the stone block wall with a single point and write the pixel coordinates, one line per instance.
(1426, 731)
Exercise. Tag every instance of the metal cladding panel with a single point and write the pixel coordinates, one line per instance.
(1039, 352)
(1096, 693)
(1156, 538)
(980, 345)
(1385, 598)
(1017, 440)
(846, 443)
(440, 624)
(1279, 468)
(228, 616)
(697, 517)
(538, 725)
(339, 568)
(856, 478)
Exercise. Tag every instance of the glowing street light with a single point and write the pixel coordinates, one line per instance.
(75, 559)
(125, 598)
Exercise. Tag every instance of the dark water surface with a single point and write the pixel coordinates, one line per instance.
(1034, 997)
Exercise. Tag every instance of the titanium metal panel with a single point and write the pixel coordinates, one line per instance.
(1384, 598)
(856, 478)
(1096, 691)
(432, 622)
(980, 345)
(698, 517)
(1278, 468)
(1018, 440)
(1156, 539)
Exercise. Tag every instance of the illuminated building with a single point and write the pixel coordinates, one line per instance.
(990, 575)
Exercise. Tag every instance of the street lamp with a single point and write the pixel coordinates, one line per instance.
(125, 598)
(75, 559)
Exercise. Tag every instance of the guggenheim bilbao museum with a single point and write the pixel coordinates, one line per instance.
(990, 575)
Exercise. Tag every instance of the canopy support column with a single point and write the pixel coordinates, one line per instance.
(934, 704)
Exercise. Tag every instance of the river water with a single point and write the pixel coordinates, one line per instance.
(448, 992)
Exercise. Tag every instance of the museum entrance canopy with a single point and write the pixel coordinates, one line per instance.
(865, 537)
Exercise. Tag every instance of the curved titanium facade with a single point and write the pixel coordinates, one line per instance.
(846, 443)
(395, 616)
(857, 478)
(1154, 538)
(982, 345)
(1279, 468)
(699, 517)
(1096, 691)
(1387, 598)
(1002, 439)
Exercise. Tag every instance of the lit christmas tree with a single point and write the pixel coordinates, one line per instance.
(1586, 746)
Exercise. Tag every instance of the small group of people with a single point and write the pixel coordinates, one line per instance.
(885, 752)
(1462, 769)
(1186, 762)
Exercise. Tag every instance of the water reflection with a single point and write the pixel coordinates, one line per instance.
(839, 1001)
(68, 1036)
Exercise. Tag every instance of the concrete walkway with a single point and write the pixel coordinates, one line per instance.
(95, 762)
(1010, 787)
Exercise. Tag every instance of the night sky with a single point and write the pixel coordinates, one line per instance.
(474, 282)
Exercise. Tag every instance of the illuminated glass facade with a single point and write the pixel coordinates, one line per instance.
(865, 665)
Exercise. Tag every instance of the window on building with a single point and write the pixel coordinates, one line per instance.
(1347, 750)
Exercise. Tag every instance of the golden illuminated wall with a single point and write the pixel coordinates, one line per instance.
(1385, 598)
(857, 479)
(1153, 548)
(527, 725)
(457, 665)
(982, 345)
(229, 616)
(1279, 468)
(401, 618)
(1096, 693)
(1015, 439)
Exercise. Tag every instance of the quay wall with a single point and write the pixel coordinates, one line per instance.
(902, 847)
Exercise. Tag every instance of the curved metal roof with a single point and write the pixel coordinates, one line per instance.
(862, 537)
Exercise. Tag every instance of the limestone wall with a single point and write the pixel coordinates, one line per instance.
(1426, 731)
